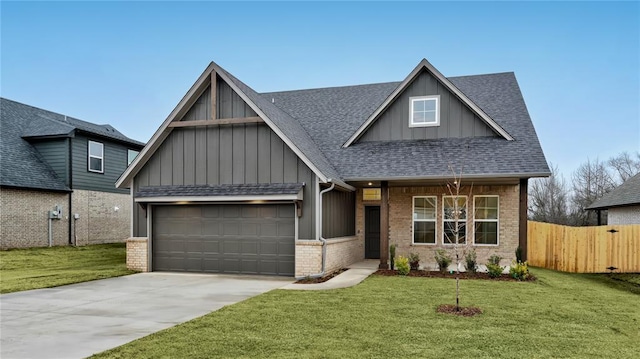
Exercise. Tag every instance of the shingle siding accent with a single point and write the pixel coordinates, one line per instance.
(400, 222)
(624, 215)
(138, 254)
(99, 221)
(24, 218)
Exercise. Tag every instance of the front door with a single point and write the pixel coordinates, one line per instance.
(372, 232)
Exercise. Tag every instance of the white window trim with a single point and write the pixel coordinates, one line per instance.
(497, 220)
(101, 157)
(466, 221)
(413, 221)
(134, 158)
(421, 98)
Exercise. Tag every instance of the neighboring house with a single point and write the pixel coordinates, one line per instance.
(236, 181)
(50, 161)
(622, 203)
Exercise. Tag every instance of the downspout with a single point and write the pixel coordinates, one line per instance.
(71, 217)
(321, 238)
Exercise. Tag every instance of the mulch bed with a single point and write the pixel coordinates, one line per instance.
(463, 275)
(462, 311)
(321, 279)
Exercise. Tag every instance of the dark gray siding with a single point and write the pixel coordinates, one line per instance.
(201, 109)
(229, 104)
(244, 153)
(55, 153)
(456, 119)
(338, 214)
(115, 162)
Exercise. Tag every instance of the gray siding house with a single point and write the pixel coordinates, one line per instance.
(51, 161)
(622, 203)
(302, 183)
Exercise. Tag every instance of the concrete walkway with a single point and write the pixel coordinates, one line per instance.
(357, 273)
(78, 320)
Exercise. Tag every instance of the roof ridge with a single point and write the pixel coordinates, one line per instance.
(330, 87)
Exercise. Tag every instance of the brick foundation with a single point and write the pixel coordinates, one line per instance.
(400, 222)
(138, 254)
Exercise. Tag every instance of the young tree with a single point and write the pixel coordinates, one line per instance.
(548, 199)
(455, 222)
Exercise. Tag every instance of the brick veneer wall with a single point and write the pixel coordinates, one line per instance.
(24, 218)
(400, 222)
(341, 252)
(99, 220)
(138, 254)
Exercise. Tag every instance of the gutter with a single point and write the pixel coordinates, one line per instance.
(320, 237)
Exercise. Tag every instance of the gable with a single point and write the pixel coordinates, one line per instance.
(228, 104)
(456, 119)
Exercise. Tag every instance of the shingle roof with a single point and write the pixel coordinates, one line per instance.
(331, 115)
(626, 194)
(291, 128)
(22, 165)
(220, 190)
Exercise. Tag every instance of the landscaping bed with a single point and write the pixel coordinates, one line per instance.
(463, 275)
(321, 279)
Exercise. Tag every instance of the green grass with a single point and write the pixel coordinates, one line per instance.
(560, 316)
(33, 268)
(624, 281)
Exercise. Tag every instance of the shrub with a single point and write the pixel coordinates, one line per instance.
(493, 267)
(443, 259)
(414, 260)
(402, 263)
(495, 259)
(519, 270)
(519, 254)
(392, 254)
(471, 261)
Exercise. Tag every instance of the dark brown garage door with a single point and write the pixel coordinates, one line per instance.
(230, 238)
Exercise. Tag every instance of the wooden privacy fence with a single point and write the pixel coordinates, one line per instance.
(584, 249)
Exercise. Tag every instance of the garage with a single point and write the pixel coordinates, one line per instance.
(224, 238)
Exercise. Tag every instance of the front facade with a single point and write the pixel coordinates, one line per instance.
(302, 183)
(52, 162)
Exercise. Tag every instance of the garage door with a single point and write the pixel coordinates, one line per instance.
(230, 238)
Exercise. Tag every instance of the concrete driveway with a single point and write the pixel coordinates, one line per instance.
(78, 320)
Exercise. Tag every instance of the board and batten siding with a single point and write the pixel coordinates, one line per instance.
(115, 162)
(55, 153)
(456, 119)
(229, 105)
(229, 154)
(338, 214)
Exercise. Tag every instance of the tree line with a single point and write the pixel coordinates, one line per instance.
(554, 200)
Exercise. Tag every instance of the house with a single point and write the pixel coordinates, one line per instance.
(622, 203)
(57, 179)
(300, 183)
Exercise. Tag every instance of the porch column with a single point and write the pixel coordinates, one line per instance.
(524, 205)
(384, 225)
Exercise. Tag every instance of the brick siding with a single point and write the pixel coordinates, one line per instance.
(24, 218)
(400, 222)
(99, 220)
(341, 252)
(138, 254)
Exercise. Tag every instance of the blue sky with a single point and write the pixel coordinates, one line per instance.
(128, 64)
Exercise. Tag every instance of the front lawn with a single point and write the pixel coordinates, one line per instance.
(33, 268)
(560, 315)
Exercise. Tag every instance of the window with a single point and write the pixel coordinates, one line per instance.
(425, 111)
(96, 157)
(371, 194)
(424, 220)
(485, 220)
(131, 155)
(449, 208)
